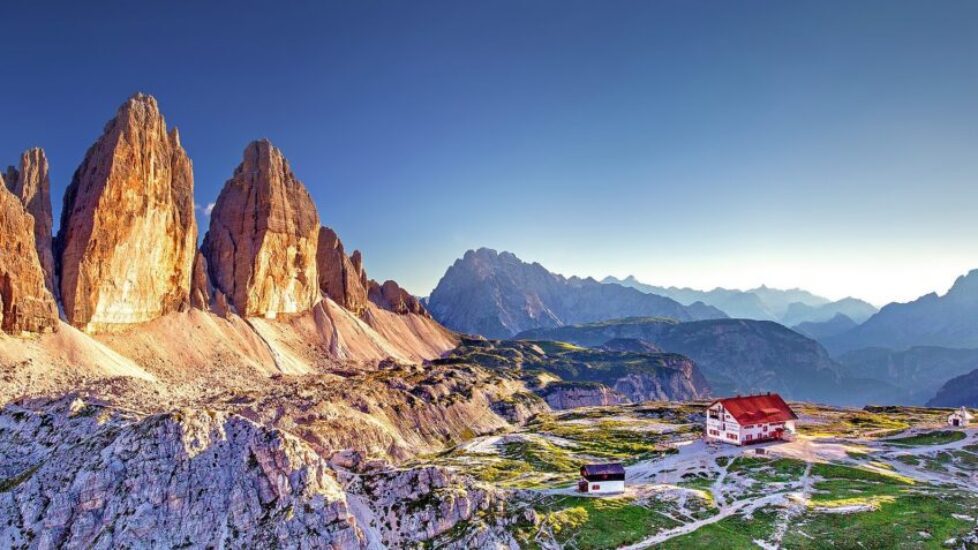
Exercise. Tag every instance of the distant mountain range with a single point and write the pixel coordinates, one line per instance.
(735, 356)
(496, 295)
(949, 321)
(817, 330)
(788, 307)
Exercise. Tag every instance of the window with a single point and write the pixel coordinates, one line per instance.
(595, 487)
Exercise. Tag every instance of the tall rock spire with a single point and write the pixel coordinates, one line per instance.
(26, 305)
(261, 245)
(30, 184)
(126, 244)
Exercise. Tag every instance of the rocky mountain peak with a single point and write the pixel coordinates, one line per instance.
(32, 186)
(131, 197)
(26, 304)
(340, 276)
(263, 236)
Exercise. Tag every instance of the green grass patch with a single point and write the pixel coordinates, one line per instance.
(896, 524)
(733, 533)
(602, 523)
(930, 438)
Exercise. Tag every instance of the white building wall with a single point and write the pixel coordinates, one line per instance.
(721, 426)
(602, 487)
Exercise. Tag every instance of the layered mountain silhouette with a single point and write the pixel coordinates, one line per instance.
(495, 294)
(931, 320)
(788, 307)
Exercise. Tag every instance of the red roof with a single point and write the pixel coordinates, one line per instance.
(757, 409)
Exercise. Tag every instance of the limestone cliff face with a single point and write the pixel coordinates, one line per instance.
(392, 297)
(341, 277)
(264, 230)
(30, 184)
(128, 235)
(26, 305)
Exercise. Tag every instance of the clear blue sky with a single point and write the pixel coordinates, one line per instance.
(827, 145)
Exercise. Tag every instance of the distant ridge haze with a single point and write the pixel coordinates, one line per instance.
(789, 307)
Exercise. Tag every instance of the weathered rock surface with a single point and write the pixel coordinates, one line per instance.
(31, 184)
(26, 304)
(264, 230)
(194, 477)
(200, 284)
(341, 277)
(81, 472)
(570, 395)
(128, 236)
(392, 297)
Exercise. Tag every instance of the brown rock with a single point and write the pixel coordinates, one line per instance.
(340, 277)
(128, 235)
(392, 297)
(32, 186)
(26, 305)
(200, 285)
(261, 246)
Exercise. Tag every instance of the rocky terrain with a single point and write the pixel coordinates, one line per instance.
(565, 374)
(258, 391)
(497, 295)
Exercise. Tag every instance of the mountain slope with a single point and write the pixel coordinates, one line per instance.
(918, 372)
(931, 320)
(498, 295)
(961, 391)
(569, 376)
(816, 330)
(735, 355)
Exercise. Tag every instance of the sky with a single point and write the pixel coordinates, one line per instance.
(826, 145)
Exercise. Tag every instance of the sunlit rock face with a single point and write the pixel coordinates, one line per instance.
(261, 245)
(340, 277)
(128, 236)
(26, 305)
(29, 182)
(392, 297)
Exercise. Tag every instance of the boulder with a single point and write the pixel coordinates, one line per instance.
(264, 230)
(126, 245)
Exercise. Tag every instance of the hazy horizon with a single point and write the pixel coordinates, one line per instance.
(824, 147)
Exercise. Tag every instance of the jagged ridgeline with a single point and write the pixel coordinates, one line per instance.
(255, 391)
(126, 261)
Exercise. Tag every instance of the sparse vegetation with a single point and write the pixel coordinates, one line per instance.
(928, 438)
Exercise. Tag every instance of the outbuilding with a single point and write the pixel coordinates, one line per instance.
(602, 478)
(960, 418)
(743, 420)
